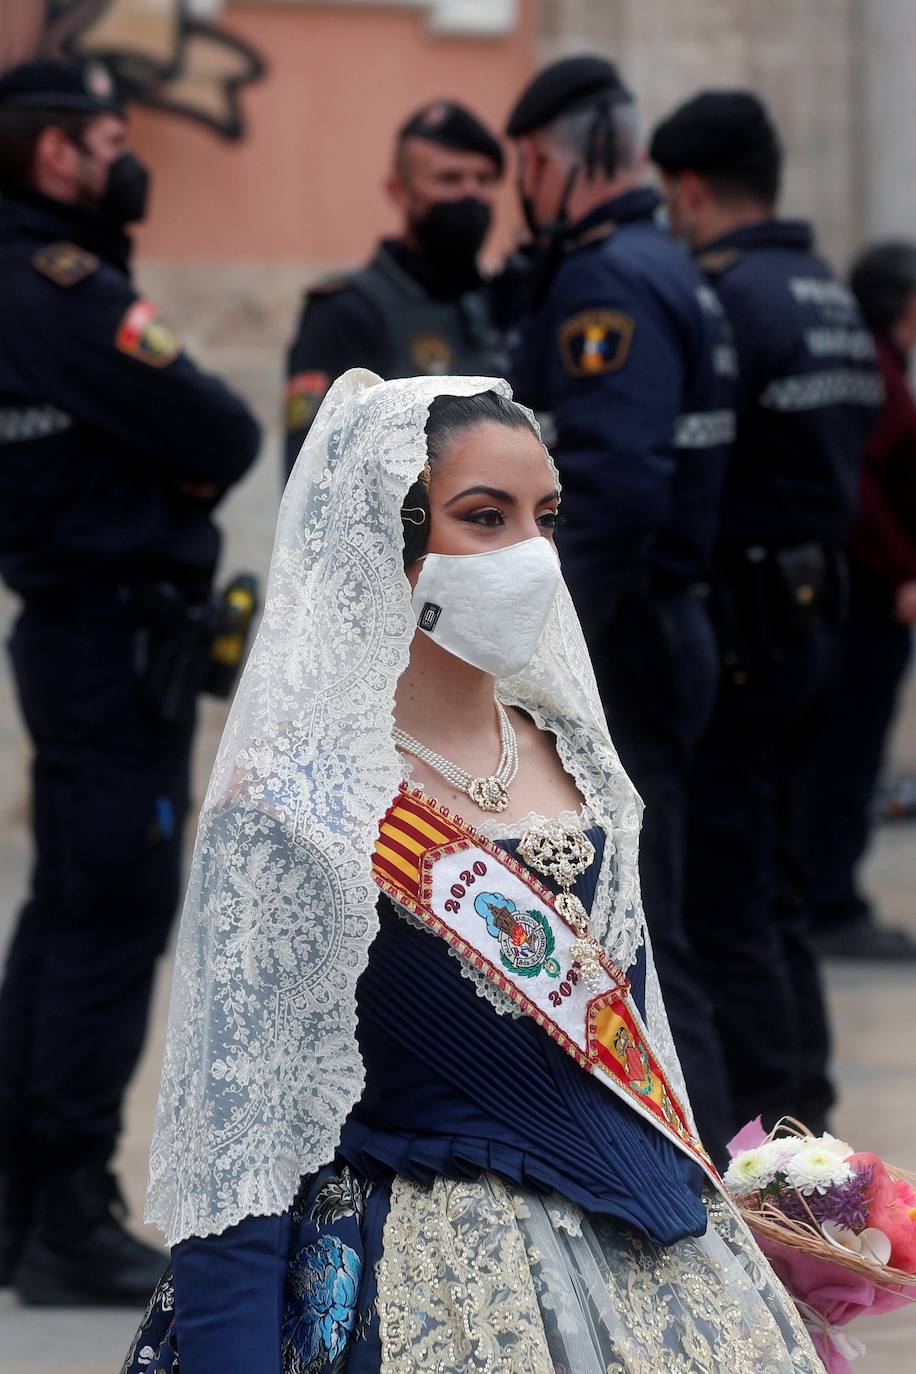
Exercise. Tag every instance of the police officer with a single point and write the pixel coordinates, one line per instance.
(808, 393)
(877, 648)
(115, 450)
(420, 305)
(624, 347)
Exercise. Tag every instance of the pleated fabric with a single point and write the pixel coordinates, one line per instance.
(454, 1091)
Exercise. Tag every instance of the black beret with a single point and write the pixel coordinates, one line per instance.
(715, 131)
(573, 83)
(85, 87)
(452, 126)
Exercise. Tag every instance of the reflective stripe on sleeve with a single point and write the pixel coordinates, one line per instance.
(704, 429)
(815, 390)
(31, 422)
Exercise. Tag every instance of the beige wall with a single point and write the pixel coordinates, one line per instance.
(306, 185)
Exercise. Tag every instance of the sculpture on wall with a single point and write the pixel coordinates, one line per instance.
(162, 54)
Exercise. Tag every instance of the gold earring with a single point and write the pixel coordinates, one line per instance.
(409, 512)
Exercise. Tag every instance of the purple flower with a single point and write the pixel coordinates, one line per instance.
(845, 1203)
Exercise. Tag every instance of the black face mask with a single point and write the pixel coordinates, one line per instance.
(452, 233)
(546, 249)
(124, 201)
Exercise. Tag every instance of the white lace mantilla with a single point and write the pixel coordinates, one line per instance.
(261, 1066)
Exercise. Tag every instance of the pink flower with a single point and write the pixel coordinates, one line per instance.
(748, 1138)
(892, 1209)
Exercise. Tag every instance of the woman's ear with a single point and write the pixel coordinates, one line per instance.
(415, 520)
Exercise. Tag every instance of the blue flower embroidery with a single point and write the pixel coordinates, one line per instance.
(323, 1279)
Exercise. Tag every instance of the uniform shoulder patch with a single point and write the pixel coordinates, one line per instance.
(329, 286)
(65, 263)
(718, 260)
(304, 394)
(431, 353)
(143, 334)
(595, 342)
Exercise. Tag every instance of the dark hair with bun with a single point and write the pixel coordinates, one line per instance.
(450, 416)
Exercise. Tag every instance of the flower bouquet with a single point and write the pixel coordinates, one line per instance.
(838, 1227)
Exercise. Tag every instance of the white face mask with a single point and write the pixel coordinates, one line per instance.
(489, 609)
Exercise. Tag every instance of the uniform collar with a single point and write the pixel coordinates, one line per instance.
(634, 206)
(768, 233)
(29, 213)
(440, 286)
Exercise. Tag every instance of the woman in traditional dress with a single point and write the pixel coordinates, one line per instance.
(441, 1128)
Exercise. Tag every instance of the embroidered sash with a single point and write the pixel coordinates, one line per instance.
(504, 921)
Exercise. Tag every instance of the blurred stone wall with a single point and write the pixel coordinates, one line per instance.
(800, 55)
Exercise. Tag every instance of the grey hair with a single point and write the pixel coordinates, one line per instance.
(573, 135)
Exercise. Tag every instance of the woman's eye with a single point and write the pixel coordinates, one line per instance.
(552, 520)
(490, 518)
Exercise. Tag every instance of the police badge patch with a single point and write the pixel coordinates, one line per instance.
(431, 353)
(144, 334)
(65, 263)
(595, 342)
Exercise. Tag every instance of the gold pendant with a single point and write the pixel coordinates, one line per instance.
(557, 851)
(586, 951)
(489, 794)
(572, 910)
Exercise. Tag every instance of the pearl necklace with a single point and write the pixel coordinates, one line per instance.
(490, 794)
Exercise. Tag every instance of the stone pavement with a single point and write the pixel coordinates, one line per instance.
(873, 1011)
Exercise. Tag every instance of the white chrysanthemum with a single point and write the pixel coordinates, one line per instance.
(784, 1148)
(816, 1168)
(749, 1170)
(837, 1147)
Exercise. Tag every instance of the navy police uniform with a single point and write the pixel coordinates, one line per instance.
(629, 354)
(398, 316)
(808, 393)
(410, 311)
(115, 450)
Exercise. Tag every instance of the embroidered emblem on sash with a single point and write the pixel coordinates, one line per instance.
(525, 939)
(498, 915)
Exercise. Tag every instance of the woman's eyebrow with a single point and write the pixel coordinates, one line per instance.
(551, 496)
(495, 492)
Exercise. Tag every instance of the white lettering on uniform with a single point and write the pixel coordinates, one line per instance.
(834, 341)
(815, 390)
(725, 360)
(820, 291)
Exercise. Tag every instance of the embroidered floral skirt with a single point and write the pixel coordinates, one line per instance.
(475, 1276)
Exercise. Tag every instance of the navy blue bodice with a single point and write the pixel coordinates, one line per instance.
(453, 1089)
